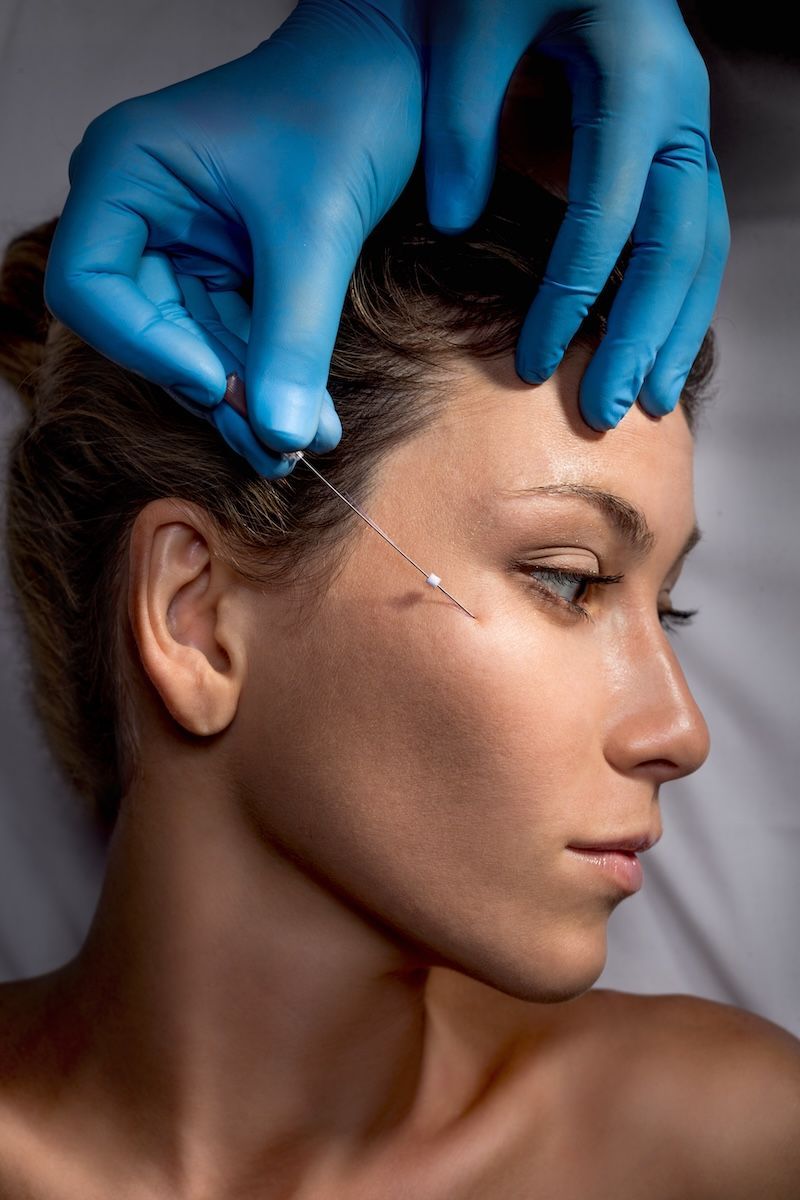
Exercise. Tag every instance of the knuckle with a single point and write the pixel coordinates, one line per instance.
(678, 62)
(688, 151)
(122, 120)
(694, 66)
(666, 67)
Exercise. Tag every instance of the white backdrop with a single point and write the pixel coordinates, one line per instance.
(718, 914)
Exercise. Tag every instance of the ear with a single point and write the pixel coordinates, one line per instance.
(187, 614)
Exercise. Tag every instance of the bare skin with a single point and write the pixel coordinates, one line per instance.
(342, 950)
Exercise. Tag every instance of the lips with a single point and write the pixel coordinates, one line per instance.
(635, 844)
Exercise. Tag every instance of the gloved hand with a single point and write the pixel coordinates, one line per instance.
(277, 165)
(272, 168)
(641, 161)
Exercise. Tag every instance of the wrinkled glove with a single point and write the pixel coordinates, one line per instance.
(276, 166)
(272, 168)
(642, 162)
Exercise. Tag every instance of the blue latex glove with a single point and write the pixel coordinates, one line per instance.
(272, 168)
(641, 162)
(277, 165)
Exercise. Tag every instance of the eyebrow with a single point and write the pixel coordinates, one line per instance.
(625, 518)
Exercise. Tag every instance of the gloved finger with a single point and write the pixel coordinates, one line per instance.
(232, 351)
(467, 80)
(219, 254)
(212, 246)
(663, 386)
(215, 312)
(668, 243)
(298, 293)
(216, 274)
(183, 300)
(608, 173)
(229, 347)
(234, 311)
(162, 283)
(90, 284)
(237, 433)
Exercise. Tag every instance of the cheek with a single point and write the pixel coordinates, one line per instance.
(483, 752)
(426, 718)
(518, 701)
(432, 770)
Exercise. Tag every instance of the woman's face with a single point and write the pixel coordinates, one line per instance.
(434, 769)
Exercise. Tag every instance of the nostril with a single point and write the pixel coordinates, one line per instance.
(658, 771)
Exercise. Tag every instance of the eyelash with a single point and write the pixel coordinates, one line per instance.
(671, 618)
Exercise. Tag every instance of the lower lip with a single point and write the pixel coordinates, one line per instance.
(620, 865)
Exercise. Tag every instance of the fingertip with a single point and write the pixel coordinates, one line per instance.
(239, 436)
(198, 392)
(612, 382)
(532, 365)
(450, 210)
(543, 338)
(603, 422)
(531, 371)
(457, 196)
(329, 433)
(282, 441)
(661, 391)
(605, 412)
(284, 415)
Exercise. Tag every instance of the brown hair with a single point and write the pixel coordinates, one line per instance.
(100, 443)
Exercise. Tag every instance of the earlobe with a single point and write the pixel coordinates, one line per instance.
(186, 618)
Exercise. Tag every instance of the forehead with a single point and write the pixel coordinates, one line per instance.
(499, 434)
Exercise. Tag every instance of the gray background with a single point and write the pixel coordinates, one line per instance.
(718, 913)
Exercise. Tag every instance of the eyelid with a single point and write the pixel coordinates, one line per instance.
(588, 578)
(670, 618)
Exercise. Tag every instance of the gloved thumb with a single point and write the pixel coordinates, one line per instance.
(300, 281)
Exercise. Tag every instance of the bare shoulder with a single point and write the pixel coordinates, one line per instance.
(723, 1082)
(665, 1097)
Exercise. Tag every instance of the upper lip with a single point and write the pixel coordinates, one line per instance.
(636, 843)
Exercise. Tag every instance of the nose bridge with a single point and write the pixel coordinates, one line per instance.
(658, 716)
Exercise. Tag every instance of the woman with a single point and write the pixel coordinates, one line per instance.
(350, 924)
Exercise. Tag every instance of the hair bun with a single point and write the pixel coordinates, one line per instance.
(24, 317)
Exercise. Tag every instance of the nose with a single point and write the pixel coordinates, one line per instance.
(658, 728)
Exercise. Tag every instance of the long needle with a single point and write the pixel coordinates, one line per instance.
(431, 579)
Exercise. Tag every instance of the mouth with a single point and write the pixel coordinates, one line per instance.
(615, 862)
(631, 844)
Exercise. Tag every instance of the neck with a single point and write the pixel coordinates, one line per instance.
(229, 1013)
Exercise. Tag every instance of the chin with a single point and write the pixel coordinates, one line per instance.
(566, 964)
